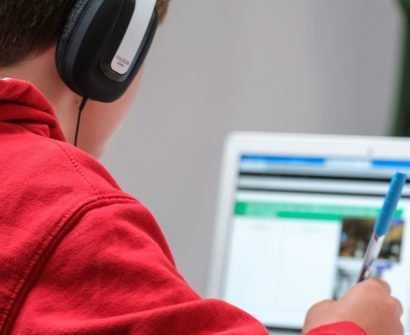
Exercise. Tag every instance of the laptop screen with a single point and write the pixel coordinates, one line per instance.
(299, 229)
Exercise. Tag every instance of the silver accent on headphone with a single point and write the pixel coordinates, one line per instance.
(134, 36)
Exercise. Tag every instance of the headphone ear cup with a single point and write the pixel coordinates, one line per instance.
(67, 31)
(99, 35)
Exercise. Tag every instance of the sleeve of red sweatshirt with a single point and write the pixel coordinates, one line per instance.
(113, 274)
(341, 328)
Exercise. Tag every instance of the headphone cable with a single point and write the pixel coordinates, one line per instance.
(80, 112)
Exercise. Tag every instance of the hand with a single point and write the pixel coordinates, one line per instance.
(368, 304)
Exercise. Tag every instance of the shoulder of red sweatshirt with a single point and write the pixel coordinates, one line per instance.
(78, 255)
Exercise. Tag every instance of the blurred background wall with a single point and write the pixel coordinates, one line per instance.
(317, 66)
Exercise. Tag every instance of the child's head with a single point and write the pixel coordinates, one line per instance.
(29, 31)
(28, 27)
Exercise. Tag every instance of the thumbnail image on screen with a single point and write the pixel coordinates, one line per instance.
(355, 236)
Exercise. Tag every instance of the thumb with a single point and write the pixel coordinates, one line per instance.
(315, 314)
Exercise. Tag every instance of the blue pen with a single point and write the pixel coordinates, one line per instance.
(383, 224)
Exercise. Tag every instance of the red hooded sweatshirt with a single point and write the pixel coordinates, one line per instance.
(79, 256)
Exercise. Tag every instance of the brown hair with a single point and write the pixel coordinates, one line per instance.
(29, 26)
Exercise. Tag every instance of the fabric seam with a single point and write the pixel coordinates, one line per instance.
(72, 159)
(76, 166)
(47, 247)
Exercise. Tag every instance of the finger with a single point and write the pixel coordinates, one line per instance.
(324, 303)
(385, 285)
(399, 306)
(321, 306)
(382, 283)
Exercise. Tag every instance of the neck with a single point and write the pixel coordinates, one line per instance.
(43, 74)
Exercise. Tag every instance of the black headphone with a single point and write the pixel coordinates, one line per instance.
(103, 45)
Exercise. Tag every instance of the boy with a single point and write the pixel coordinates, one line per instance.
(78, 256)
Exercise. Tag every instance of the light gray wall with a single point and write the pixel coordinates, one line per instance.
(326, 66)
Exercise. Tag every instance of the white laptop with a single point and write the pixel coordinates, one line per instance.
(295, 215)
